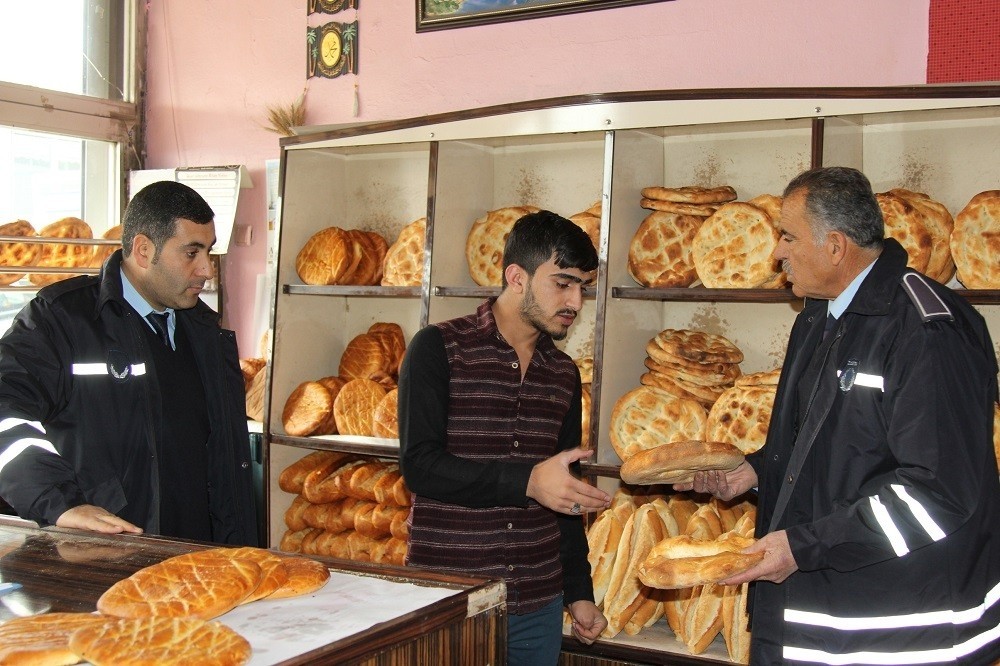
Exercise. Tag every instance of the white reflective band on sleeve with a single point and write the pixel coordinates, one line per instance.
(871, 381)
(9, 423)
(20, 445)
(102, 369)
(888, 527)
(920, 513)
(930, 618)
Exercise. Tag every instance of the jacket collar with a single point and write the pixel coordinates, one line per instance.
(876, 292)
(487, 323)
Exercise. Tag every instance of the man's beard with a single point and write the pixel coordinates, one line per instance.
(531, 313)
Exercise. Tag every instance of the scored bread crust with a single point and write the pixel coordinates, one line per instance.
(939, 224)
(659, 255)
(328, 257)
(906, 224)
(734, 248)
(304, 577)
(975, 241)
(355, 406)
(385, 421)
(44, 639)
(691, 194)
(684, 561)
(485, 243)
(55, 255)
(697, 210)
(306, 409)
(161, 641)
(364, 356)
(678, 461)
(202, 584)
(272, 569)
(698, 346)
(403, 265)
(646, 417)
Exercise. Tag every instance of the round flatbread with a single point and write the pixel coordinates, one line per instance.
(485, 243)
(55, 255)
(355, 406)
(703, 374)
(765, 378)
(975, 242)
(364, 356)
(691, 194)
(306, 409)
(273, 572)
(369, 262)
(161, 640)
(17, 254)
(659, 255)
(706, 395)
(905, 223)
(385, 421)
(591, 224)
(646, 417)
(698, 210)
(734, 248)
(202, 584)
(404, 260)
(102, 252)
(741, 416)
(939, 224)
(304, 577)
(699, 346)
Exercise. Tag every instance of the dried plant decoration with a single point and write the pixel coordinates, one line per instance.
(284, 118)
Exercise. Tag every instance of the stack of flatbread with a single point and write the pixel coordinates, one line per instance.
(742, 413)
(923, 227)
(335, 256)
(590, 221)
(404, 260)
(622, 538)
(975, 242)
(162, 613)
(347, 403)
(695, 365)
(17, 254)
(688, 200)
(346, 506)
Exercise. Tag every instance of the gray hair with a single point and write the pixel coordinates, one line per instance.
(841, 199)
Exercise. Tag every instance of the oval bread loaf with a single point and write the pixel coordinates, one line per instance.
(683, 561)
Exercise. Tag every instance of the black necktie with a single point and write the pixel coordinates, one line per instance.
(831, 321)
(159, 322)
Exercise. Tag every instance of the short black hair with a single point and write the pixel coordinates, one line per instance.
(155, 209)
(540, 236)
(841, 199)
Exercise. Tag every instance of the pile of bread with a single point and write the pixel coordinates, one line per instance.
(336, 256)
(703, 235)
(671, 426)
(162, 613)
(361, 398)
(700, 235)
(346, 506)
(487, 238)
(684, 547)
(53, 255)
(586, 366)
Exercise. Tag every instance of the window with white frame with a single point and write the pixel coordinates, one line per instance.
(68, 118)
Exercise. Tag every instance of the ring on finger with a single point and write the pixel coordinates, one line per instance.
(575, 508)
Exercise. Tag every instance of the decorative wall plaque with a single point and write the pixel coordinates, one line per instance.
(332, 49)
(330, 6)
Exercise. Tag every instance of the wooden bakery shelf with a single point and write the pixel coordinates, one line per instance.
(62, 570)
(563, 154)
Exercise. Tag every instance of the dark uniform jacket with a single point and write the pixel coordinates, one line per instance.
(79, 404)
(879, 465)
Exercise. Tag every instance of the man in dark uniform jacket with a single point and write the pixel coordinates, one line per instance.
(121, 398)
(879, 502)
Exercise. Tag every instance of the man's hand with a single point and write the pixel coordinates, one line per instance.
(552, 485)
(95, 519)
(777, 565)
(724, 485)
(588, 621)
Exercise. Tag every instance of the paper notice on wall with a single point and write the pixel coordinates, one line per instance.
(219, 186)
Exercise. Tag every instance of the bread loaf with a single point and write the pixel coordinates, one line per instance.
(625, 594)
(56, 255)
(295, 514)
(603, 537)
(160, 640)
(361, 483)
(44, 639)
(684, 561)
(678, 461)
(304, 577)
(385, 420)
(17, 254)
(326, 485)
(293, 477)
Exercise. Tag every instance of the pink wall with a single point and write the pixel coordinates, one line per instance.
(214, 67)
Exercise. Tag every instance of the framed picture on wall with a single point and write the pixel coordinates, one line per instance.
(441, 14)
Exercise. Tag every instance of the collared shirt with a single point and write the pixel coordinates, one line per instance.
(839, 304)
(470, 432)
(135, 299)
